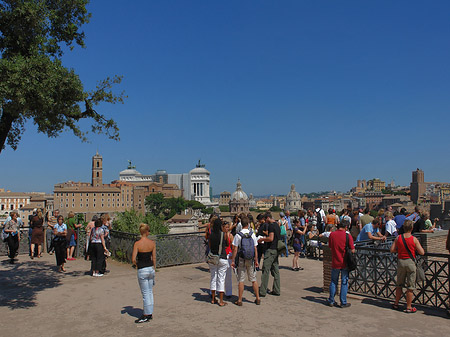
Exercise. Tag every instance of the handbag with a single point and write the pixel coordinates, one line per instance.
(4, 236)
(349, 257)
(420, 273)
(213, 258)
(281, 247)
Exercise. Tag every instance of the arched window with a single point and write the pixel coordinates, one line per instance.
(98, 174)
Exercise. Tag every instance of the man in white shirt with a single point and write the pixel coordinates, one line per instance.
(246, 265)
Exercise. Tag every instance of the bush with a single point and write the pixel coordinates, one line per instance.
(129, 222)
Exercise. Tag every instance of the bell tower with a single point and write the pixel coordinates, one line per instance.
(97, 170)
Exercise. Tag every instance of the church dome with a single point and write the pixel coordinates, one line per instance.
(200, 169)
(293, 194)
(239, 194)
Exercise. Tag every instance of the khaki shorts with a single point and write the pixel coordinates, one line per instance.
(246, 267)
(406, 274)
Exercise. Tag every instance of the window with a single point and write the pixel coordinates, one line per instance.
(3, 207)
(73, 194)
(109, 194)
(98, 174)
(103, 205)
(11, 207)
(98, 165)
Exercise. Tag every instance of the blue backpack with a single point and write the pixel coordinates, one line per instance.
(247, 249)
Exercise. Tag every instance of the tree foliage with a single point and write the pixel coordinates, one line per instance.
(129, 222)
(34, 85)
(164, 207)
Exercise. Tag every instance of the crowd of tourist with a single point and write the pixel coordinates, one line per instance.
(243, 244)
(61, 238)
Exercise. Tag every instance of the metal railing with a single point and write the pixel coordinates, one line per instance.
(171, 249)
(376, 275)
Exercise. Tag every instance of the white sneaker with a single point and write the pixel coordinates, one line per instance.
(99, 275)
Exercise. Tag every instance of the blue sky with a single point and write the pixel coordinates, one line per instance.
(315, 93)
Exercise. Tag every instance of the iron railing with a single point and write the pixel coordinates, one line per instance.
(171, 249)
(376, 274)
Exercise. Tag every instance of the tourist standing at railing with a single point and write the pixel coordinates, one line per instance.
(107, 226)
(406, 246)
(228, 276)
(37, 235)
(426, 226)
(391, 226)
(144, 257)
(97, 248)
(52, 221)
(337, 244)
(371, 231)
(60, 232)
(12, 229)
(89, 228)
(218, 272)
(355, 225)
(447, 245)
(400, 219)
(332, 218)
(72, 226)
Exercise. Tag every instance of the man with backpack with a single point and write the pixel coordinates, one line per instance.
(320, 214)
(244, 248)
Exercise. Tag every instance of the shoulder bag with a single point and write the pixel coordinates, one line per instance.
(349, 257)
(420, 274)
(212, 258)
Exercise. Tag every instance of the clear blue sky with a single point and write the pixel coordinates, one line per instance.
(316, 93)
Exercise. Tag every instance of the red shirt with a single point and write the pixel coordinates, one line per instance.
(401, 249)
(337, 245)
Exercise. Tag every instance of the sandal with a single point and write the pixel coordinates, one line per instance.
(410, 311)
(395, 307)
(239, 304)
(223, 304)
(214, 301)
(258, 302)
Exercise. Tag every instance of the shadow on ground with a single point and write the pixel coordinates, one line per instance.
(132, 311)
(20, 282)
(421, 309)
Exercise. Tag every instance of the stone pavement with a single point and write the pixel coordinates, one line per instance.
(36, 300)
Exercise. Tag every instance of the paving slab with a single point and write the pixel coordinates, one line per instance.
(36, 300)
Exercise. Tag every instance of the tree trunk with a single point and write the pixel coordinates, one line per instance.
(5, 126)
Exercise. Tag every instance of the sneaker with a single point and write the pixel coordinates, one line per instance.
(99, 275)
(331, 304)
(143, 319)
(346, 305)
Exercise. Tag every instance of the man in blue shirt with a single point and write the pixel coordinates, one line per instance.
(371, 231)
(289, 227)
(400, 218)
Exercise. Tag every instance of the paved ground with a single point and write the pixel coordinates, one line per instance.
(36, 300)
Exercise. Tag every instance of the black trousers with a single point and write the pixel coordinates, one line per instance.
(97, 256)
(60, 250)
(13, 245)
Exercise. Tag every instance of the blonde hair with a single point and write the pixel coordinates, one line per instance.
(143, 228)
(105, 217)
(389, 215)
(71, 214)
(408, 226)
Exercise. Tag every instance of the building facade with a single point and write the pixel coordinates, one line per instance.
(293, 200)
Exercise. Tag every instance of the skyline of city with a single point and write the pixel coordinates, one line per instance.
(312, 94)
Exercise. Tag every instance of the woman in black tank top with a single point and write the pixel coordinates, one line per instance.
(144, 257)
